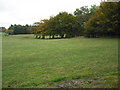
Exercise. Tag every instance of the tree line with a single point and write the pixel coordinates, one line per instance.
(65, 25)
(96, 21)
(18, 29)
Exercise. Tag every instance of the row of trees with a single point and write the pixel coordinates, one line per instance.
(65, 25)
(20, 29)
(95, 21)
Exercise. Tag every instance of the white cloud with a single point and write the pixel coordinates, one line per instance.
(30, 11)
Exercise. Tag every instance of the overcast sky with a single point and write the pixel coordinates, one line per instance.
(30, 11)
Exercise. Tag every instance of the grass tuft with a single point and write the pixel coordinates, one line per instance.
(59, 79)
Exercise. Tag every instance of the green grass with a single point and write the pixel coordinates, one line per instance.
(37, 63)
(3, 34)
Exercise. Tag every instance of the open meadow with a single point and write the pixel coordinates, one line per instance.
(54, 63)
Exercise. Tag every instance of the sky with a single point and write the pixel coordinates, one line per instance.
(29, 11)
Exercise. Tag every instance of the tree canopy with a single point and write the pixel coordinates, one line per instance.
(105, 21)
(63, 25)
(20, 29)
(95, 21)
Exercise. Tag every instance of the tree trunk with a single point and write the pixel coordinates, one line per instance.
(36, 36)
(62, 36)
(90, 35)
(50, 37)
(43, 37)
(53, 37)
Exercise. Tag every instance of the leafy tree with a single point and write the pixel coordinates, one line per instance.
(104, 22)
(110, 11)
(19, 29)
(40, 29)
(61, 24)
(6, 31)
(83, 15)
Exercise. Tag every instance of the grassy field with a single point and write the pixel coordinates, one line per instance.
(76, 62)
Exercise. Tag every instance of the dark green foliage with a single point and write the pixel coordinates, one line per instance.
(104, 22)
(59, 79)
(19, 29)
(83, 15)
(63, 25)
(95, 21)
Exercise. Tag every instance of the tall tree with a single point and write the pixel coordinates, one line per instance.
(105, 21)
(83, 14)
(63, 24)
